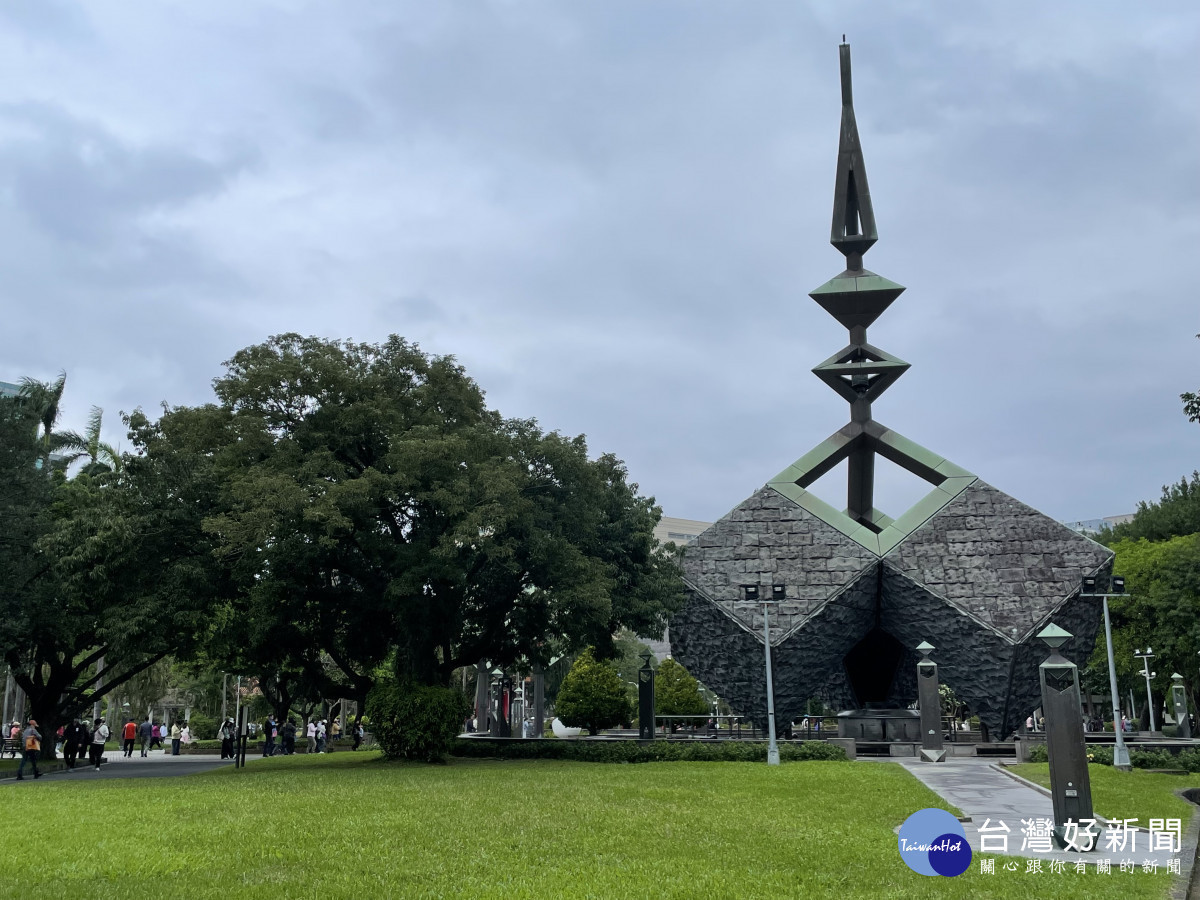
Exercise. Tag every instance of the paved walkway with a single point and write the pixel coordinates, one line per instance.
(988, 795)
(156, 765)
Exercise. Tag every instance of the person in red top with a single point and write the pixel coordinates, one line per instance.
(129, 735)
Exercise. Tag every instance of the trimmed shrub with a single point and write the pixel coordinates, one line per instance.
(203, 728)
(677, 693)
(634, 752)
(1102, 754)
(414, 722)
(592, 696)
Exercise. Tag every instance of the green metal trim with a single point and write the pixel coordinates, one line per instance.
(947, 479)
(860, 282)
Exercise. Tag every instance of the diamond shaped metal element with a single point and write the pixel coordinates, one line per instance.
(1053, 636)
(861, 372)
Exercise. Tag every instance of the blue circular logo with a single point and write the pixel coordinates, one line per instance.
(932, 842)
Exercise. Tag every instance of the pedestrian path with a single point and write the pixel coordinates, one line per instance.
(989, 797)
(117, 765)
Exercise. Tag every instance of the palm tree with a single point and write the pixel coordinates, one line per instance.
(61, 449)
(100, 456)
(45, 398)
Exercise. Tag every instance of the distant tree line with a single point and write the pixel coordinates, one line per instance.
(1158, 552)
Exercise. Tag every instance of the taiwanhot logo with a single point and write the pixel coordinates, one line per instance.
(932, 842)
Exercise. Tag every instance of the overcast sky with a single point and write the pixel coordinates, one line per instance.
(612, 214)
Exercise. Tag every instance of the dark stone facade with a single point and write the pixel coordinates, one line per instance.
(977, 580)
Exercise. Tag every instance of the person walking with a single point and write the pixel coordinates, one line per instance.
(146, 733)
(33, 746)
(96, 747)
(357, 730)
(72, 746)
(289, 738)
(311, 732)
(176, 737)
(128, 736)
(321, 736)
(227, 739)
(269, 731)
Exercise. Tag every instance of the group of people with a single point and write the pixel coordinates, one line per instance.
(76, 739)
(281, 739)
(151, 734)
(79, 739)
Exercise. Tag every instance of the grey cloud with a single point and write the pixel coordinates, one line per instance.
(612, 214)
(79, 182)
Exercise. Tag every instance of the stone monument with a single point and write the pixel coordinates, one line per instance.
(929, 700)
(646, 700)
(1066, 749)
(967, 567)
(1180, 711)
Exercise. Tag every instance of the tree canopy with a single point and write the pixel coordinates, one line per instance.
(1162, 612)
(676, 692)
(592, 695)
(99, 566)
(1176, 513)
(372, 510)
(340, 513)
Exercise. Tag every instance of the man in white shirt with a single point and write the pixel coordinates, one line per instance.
(312, 736)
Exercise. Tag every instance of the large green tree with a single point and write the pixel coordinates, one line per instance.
(373, 510)
(103, 566)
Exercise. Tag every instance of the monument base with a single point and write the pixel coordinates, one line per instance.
(880, 725)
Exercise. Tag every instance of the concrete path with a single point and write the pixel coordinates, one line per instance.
(989, 796)
(156, 765)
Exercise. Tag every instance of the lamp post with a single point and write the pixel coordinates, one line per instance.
(1116, 588)
(1145, 658)
(777, 594)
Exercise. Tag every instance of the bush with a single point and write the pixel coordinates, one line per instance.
(592, 696)
(677, 693)
(414, 722)
(1102, 754)
(634, 752)
(204, 728)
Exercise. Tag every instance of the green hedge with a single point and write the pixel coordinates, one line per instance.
(634, 752)
(414, 721)
(1102, 754)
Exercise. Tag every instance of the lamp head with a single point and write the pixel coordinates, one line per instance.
(926, 648)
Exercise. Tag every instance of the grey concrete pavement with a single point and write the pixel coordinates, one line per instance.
(989, 796)
(156, 765)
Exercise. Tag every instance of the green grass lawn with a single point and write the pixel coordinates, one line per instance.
(350, 825)
(1128, 795)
